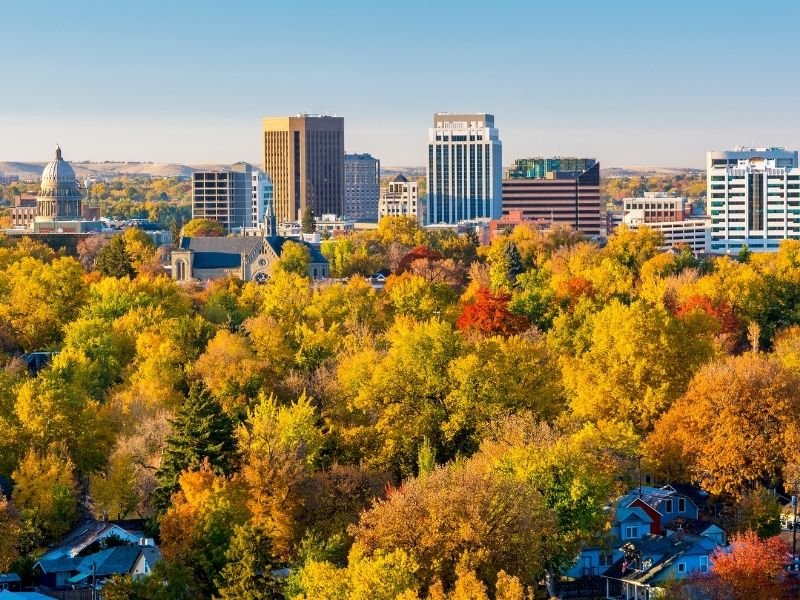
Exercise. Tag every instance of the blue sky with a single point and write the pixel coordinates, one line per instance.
(632, 83)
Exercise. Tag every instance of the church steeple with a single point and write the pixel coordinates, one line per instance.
(270, 222)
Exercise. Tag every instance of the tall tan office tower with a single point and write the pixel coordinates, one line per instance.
(304, 156)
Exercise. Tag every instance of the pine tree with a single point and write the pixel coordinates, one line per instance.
(114, 259)
(201, 430)
(248, 574)
(513, 261)
(309, 225)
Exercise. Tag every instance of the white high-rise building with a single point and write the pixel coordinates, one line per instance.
(465, 168)
(753, 198)
(399, 199)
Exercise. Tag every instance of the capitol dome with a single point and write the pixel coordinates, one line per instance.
(58, 176)
(59, 195)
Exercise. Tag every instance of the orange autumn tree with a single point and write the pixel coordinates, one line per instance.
(751, 569)
(489, 314)
(746, 408)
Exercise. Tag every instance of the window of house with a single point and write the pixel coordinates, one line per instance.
(704, 564)
(631, 532)
(682, 567)
(681, 505)
(668, 506)
(606, 559)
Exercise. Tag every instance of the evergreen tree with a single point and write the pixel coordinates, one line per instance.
(744, 254)
(200, 431)
(513, 262)
(308, 224)
(248, 574)
(114, 259)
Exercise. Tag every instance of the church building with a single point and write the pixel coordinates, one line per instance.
(248, 258)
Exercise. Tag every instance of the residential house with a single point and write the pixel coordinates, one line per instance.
(656, 533)
(650, 561)
(95, 532)
(95, 551)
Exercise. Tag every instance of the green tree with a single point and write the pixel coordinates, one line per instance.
(115, 260)
(201, 431)
(308, 224)
(248, 574)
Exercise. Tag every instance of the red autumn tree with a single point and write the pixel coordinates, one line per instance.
(722, 312)
(416, 254)
(489, 314)
(750, 569)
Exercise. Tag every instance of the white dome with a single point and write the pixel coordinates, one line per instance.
(58, 171)
(58, 180)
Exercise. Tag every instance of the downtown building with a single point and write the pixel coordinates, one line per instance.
(399, 199)
(261, 197)
(304, 158)
(753, 198)
(672, 216)
(464, 171)
(224, 196)
(560, 190)
(362, 182)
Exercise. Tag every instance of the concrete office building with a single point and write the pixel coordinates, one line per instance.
(753, 198)
(362, 181)
(562, 190)
(224, 196)
(304, 157)
(399, 199)
(464, 168)
(670, 215)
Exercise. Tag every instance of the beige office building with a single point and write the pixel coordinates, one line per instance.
(304, 157)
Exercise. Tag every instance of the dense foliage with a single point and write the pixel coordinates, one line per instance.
(457, 434)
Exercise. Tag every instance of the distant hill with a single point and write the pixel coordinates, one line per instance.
(105, 170)
(647, 171)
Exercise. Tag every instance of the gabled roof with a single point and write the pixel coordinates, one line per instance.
(226, 252)
(691, 526)
(111, 561)
(87, 533)
(695, 494)
(633, 513)
(226, 245)
(151, 555)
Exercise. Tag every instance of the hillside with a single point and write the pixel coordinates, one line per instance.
(103, 170)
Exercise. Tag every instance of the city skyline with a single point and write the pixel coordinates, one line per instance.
(628, 84)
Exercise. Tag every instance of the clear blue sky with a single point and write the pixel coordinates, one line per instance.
(630, 82)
